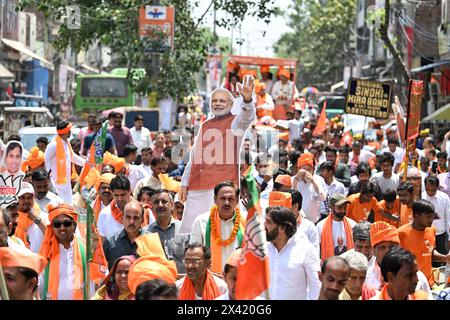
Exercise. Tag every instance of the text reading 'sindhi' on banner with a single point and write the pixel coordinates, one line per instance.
(368, 98)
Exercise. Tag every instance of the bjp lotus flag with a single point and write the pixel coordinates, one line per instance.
(253, 277)
(347, 138)
(322, 122)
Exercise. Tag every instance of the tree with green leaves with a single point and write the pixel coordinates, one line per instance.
(319, 39)
(114, 23)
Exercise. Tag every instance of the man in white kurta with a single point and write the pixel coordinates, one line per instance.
(63, 190)
(215, 154)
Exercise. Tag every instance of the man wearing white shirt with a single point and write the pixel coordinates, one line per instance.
(294, 262)
(5, 240)
(146, 159)
(386, 179)
(441, 204)
(397, 152)
(61, 175)
(263, 176)
(332, 186)
(140, 134)
(109, 220)
(312, 187)
(358, 154)
(40, 180)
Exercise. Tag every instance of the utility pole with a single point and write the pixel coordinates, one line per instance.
(399, 47)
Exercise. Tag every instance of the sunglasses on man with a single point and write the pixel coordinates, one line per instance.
(65, 223)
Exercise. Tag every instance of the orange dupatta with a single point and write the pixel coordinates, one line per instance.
(210, 289)
(418, 295)
(24, 223)
(116, 212)
(327, 243)
(61, 161)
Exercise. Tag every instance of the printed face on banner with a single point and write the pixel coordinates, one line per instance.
(11, 175)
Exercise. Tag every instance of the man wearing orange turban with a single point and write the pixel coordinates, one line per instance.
(384, 237)
(264, 102)
(282, 199)
(199, 283)
(311, 186)
(266, 77)
(35, 160)
(24, 268)
(284, 92)
(64, 277)
(60, 159)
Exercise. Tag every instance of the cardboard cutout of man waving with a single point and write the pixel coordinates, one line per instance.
(215, 155)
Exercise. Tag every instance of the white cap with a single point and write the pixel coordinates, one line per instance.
(25, 187)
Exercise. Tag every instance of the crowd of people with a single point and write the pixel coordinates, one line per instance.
(345, 218)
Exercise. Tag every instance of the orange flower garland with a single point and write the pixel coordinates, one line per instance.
(234, 232)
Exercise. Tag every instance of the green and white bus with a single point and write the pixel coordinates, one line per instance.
(97, 92)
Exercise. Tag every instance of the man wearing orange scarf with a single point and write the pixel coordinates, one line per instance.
(335, 231)
(264, 102)
(384, 237)
(199, 283)
(65, 274)
(221, 229)
(40, 179)
(110, 218)
(31, 222)
(396, 268)
(60, 159)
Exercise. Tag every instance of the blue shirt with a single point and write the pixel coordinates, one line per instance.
(109, 143)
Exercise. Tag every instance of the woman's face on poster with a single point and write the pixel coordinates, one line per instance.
(14, 160)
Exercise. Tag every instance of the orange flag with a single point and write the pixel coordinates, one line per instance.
(253, 276)
(322, 122)
(347, 138)
(87, 166)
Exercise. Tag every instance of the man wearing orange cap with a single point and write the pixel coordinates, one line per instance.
(266, 77)
(21, 271)
(64, 277)
(110, 218)
(230, 275)
(384, 237)
(60, 159)
(311, 186)
(199, 283)
(264, 102)
(215, 155)
(284, 92)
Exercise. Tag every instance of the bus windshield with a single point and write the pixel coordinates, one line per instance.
(104, 87)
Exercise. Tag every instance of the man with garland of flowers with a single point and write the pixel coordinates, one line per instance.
(222, 228)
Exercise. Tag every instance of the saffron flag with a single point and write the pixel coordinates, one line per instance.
(253, 277)
(95, 154)
(322, 122)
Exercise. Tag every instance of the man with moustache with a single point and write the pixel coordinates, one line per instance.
(334, 276)
(335, 231)
(122, 243)
(215, 154)
(168, 228)
(294, 262)
(40, 180)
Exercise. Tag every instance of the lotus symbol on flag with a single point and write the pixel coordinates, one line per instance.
(255, 239)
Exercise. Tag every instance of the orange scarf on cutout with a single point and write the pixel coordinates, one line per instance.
(210, 289)
(418, 295)
(24, 223)
(50, 250)
(61, 164)
(327, 243)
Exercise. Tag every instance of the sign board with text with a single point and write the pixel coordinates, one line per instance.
(157, 24)
(368, 98)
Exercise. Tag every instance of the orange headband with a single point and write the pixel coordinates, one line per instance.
(65, 130)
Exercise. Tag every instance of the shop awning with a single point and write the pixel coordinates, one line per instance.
(430, 66)
(5, 73)
(440, 114)
(24, 50)
(89, 68)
